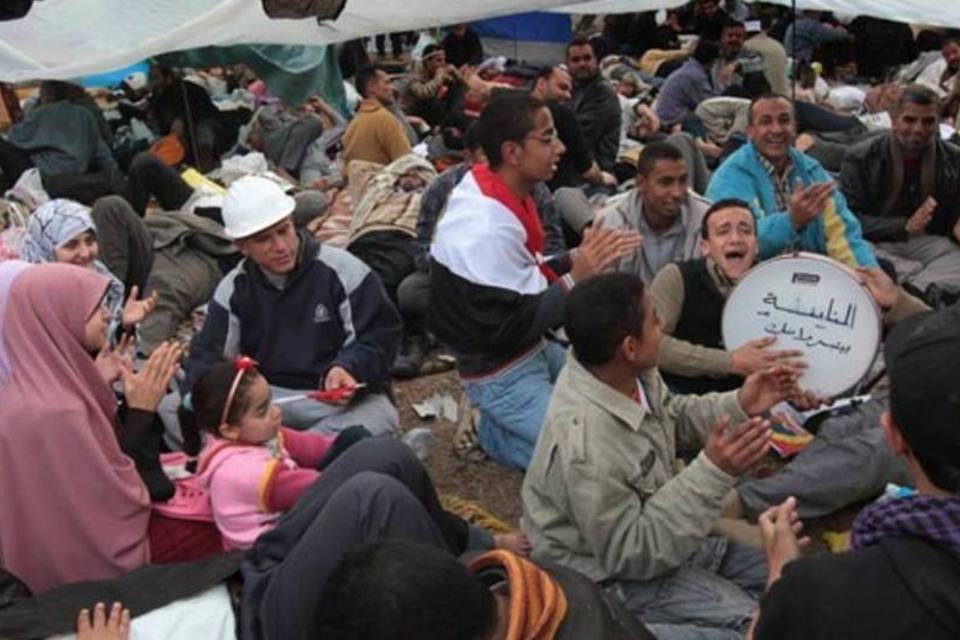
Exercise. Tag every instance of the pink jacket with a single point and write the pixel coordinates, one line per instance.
(251, 486)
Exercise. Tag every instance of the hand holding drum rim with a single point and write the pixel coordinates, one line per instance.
(807, 203)
(600, 248)
(735, 450)
(755, 356)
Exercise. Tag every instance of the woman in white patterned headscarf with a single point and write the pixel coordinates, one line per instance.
(63, 231)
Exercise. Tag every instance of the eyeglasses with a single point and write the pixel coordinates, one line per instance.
(548, 137)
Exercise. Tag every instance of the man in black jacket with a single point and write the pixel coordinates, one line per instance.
(902, 579)
(904, 186)
(595, 103)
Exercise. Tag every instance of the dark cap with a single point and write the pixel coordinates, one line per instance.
(922, 355)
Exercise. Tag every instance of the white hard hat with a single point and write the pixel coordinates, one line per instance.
(252, 204)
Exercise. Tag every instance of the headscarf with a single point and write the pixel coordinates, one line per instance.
(9, 270)
(73, 506)
(53, 225)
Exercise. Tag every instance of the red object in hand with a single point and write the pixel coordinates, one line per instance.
(331, 395)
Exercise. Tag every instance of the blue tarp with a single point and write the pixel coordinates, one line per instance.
(537, 26)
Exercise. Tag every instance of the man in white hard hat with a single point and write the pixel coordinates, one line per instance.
(311, 315)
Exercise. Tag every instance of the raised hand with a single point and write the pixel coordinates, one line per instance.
(600, 248)
(763, 389)
(736, 450)
(807, 203)
(917, 223)
(145, 389)
(135, 311)
(111, 361)
(780, 527)
(755, 356)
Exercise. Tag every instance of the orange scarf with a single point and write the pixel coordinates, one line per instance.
(537, 603)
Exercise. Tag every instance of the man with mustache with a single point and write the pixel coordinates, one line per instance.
(794, 200)
(904, 185)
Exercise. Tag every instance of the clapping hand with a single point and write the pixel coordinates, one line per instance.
(135, 311)
(765, 388)
(111, 361)
(145, 389)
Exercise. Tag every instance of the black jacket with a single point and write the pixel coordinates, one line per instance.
(598, 111)
(865, 180)
(902, 588)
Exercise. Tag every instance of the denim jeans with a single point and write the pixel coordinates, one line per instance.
(513, 403)
(711, 597)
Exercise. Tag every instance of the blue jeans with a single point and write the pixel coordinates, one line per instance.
(711, 597)
(512, 405)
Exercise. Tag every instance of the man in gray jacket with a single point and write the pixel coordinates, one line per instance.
(662, 209)
(601, 495)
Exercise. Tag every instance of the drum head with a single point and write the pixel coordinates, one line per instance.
(812, 304)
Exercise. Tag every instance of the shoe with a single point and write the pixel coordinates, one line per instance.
(412, 353)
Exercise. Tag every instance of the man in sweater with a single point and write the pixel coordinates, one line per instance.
(904, 566)
(688, 86)
(595, 104)
(601, 495)
(904, 185)
(313, 317)
(662, 210)
(374, 134)
(495, 295)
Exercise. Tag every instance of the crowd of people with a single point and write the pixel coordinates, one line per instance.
(206, 294)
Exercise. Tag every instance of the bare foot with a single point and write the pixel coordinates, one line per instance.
(516, 542)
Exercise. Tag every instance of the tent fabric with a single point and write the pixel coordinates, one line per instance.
(292, 73)
(535, 38)
(70, 38)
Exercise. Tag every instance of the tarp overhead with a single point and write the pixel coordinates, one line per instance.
(945, 13)
(71, 38)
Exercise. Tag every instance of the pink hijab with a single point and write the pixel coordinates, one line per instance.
(72, 506)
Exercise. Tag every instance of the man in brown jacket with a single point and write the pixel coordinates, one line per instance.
(374, 134)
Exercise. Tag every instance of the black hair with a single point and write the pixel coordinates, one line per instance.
(471, 136)
(766, 96)
(508, 118)
(601, 311)
(430, 48)
(720, 205)
(209, 395)
(364, 77)
(544, 73)
(731, 23)
(655, 152)
(917, 94)
(755, 84)
(396, 589)
(579, 41)
(951, 38)
(706, 52)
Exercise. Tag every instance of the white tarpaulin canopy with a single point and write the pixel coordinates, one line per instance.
(71, 38)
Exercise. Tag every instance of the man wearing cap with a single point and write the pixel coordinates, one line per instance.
(313, 316)
(436, 90)
(904, 566)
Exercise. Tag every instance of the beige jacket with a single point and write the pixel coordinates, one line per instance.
(601, 496)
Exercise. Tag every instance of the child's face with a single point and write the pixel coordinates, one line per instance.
(261, 421)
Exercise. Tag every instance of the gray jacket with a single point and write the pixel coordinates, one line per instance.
(646, 261)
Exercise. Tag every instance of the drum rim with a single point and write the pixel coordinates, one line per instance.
(846, 271)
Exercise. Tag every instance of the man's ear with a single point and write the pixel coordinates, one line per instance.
(894, 438)
(509, 153)
(704, 248)
(640, 181)
(242, 245)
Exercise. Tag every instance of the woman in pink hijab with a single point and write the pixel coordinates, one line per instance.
(73, 506)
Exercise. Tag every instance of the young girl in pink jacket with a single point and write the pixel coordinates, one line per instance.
(254, 468)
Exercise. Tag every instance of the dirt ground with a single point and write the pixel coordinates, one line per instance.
(496, 488)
